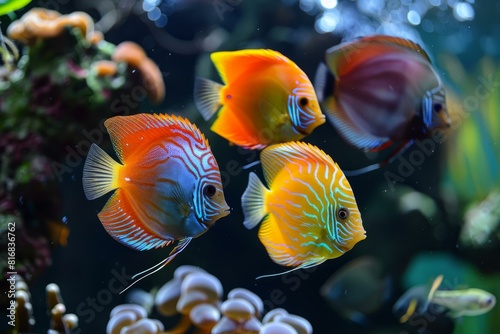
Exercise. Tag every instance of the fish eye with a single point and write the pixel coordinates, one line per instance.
(209, 190)
(488, 301)
(438, 107)
(343, 213)
(303, 101)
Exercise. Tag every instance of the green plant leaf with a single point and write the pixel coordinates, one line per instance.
(8, 6)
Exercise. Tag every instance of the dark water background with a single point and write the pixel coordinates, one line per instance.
(84, 268)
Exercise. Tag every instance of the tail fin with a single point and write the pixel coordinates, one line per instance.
(99, 173)
(206, 97)
(252, 202)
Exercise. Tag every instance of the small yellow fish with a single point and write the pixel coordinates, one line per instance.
(465, 302)
(309, 211)
(267, 99)
(456, 303)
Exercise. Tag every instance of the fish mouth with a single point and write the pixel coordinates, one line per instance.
(321, 119)
(225, 212)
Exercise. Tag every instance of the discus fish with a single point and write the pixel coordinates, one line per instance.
(456, 303)
(267, 99)
(168, 184)
(358, 289)
(384, 93)
(309, 211)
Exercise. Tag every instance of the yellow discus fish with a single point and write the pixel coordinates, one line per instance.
(309, 211)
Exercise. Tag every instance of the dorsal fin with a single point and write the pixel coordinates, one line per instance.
(232, 64)
(344, 57)
(130, 134)
(402, 42)
(276, 157)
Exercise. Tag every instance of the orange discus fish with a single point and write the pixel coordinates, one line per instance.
(267, 99)
(309, 211)
(168, 184)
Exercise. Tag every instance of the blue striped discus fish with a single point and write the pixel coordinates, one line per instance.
(168, 184)
(309, 211)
